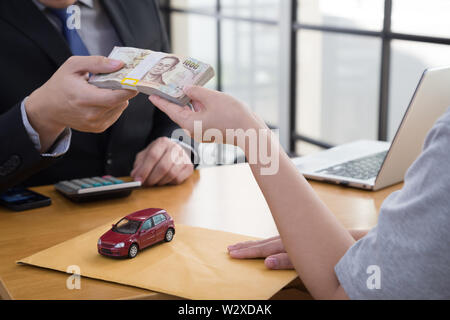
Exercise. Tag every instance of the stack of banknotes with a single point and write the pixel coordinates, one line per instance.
(152, 72)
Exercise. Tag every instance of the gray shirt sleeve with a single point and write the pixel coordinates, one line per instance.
(61, 145)
(407, 255)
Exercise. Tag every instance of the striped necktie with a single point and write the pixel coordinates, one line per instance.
(76, 45)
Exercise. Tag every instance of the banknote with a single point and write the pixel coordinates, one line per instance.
(153, 72)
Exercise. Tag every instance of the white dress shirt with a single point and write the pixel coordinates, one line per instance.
(99, 37)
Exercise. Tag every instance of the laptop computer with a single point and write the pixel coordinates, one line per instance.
(373, 165)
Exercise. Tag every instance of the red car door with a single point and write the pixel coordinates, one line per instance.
(147, 234)
(160, 223)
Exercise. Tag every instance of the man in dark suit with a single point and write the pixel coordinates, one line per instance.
(54, 125)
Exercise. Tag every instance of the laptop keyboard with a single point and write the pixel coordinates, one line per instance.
(362, 168)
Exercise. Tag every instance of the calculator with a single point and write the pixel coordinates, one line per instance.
(96, 188)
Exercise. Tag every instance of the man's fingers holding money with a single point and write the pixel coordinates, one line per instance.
(92, 64)
(104, 97)
(68, 100)
(110, 117)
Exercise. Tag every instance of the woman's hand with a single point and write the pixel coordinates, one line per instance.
(271, 249)
(213, 109)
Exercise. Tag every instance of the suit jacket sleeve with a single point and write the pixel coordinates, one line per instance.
(19, 158)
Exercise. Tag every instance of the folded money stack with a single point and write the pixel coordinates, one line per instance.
(152, 72)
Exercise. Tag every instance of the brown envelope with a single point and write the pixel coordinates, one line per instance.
(194, 265)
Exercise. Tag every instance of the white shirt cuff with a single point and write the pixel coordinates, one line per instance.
(61, 145)
(187, 147)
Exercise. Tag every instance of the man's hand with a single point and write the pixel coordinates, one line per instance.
(273, 250)
(68, 100)
(163, 162)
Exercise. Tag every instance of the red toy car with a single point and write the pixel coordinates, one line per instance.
(136, 232)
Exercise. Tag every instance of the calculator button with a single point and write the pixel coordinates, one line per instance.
(112, 179)
(70, 185)
(102, 181)
(81, 183)
(91, 182)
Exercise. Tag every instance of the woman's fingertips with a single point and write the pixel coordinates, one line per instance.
(154, 98)
(271, 262)
(235, 253)
(186, 88)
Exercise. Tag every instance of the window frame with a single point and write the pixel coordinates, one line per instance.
(151, 224)
(161, 221)
(292, 26)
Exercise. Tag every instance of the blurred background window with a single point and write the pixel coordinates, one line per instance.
(352, 65)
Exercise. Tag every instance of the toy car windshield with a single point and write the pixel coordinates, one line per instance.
(126, 226)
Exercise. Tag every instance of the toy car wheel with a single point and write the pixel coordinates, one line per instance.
(133, 251)
(169, 235)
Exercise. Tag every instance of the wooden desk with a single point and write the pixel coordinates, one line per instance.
(224, 198)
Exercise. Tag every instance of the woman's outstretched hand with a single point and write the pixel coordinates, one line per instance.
(271, 249)
(214, 110)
